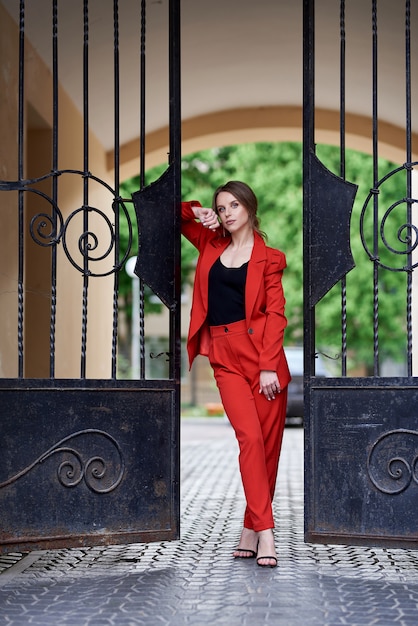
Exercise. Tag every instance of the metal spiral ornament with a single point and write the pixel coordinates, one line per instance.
(392, 463)
(100, 474)
(406, 231)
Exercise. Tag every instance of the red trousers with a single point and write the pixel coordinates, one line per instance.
(258, 423)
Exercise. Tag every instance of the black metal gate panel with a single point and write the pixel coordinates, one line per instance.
(96, 464)
(89, 453)
(364, 456)
(361, 453)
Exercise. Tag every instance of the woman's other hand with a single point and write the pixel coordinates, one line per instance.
(269, 384)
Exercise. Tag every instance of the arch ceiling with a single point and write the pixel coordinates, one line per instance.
(241, 71)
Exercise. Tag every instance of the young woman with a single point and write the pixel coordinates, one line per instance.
(238, 321)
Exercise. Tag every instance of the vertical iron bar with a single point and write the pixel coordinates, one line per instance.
(175, 160)
(342, 174)
(375, 194)
(142, 181)
(117, 181)
(309, 76)
(85, 245)
(408, 180)
(308, 312)
(142, 95)
(21, 219)
(308, 149)
(54, 186)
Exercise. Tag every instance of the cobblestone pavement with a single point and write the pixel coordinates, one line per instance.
(196, 581)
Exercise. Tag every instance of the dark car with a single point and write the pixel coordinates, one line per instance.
(294, 357)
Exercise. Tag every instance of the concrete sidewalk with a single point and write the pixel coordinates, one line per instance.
(196, 581)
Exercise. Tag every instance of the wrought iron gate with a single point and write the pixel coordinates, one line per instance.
(361, 454)
(89, 456)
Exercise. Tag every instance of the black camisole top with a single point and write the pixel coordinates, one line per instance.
(226, 295)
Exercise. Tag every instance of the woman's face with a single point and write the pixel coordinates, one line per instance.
(233, 214)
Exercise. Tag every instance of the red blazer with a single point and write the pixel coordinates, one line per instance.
(264, 297)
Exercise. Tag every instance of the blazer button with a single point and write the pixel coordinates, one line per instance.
(250, 331)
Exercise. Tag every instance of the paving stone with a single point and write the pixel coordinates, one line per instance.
(195, 581)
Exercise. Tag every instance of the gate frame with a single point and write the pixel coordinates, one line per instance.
(350, 460)
(162, 430)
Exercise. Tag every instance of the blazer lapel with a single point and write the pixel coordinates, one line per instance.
(254, 275)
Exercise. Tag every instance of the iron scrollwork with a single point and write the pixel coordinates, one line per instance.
(50, 229)
(75, 468)
(392, 463)
(406, 231)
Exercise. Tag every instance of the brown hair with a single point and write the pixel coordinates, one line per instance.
(246, 196)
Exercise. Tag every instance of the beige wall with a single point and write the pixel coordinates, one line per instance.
(8, 171)
(273, 123)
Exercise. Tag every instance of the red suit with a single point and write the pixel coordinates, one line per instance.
(237, 353)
